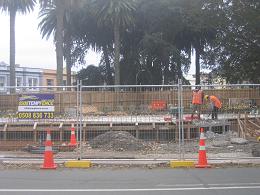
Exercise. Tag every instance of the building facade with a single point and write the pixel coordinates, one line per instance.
(29, 77)
(49, 78)
(25, 76)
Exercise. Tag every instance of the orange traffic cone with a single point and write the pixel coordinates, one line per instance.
(73, 141)
(202, 152)
(48, 155)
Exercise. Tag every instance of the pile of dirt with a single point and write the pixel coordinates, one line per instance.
(118, 141)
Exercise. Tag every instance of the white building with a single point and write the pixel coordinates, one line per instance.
(24, 77)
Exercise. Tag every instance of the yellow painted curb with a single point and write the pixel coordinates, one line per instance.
(77, 164)
(176, 164)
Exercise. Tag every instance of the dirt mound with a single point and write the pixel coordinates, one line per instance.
(118, 141)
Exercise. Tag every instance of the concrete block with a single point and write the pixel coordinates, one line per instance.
(177, 164)
(77, 164)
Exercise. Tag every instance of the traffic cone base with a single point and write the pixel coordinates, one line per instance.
(52, 167)
(202, 166)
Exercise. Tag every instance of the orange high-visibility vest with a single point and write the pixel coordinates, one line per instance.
(215, 101)
(197, 97)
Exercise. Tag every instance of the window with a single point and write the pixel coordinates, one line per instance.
(2, 83)
(19, 81)
(64, 84)
(50, 82)
(33, 82)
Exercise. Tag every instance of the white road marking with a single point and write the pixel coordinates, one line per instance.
(129, 189)
(234, 184)
(214, 184)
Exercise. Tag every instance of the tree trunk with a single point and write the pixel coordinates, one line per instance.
(109, 78)
(165, 70)
(67, 53)
(68, 70)
(59, 41)
(12, 50)
(197, 66)
(179, 71)
(117, 52)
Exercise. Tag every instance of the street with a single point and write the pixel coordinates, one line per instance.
(132, 181)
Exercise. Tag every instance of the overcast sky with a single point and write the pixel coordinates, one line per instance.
(31, 49)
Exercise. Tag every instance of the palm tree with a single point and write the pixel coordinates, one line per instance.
(54, 20)
(197, 31)
(87, 32)
(12, 7)
(119, 14)
(60, 5)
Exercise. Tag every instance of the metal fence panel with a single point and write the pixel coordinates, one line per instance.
(132, 122)
(30, 112)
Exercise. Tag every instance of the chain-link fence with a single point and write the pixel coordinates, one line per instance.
(159, 122)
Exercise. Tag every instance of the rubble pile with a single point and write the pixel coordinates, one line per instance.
(118, 141)
(216, 143)
(228, 142)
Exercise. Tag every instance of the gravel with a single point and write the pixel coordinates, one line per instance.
(118, 141)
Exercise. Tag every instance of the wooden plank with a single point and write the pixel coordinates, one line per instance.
(241, 128)
(258, 126)
(258, 120)
(35, 125)
(246, 129)
(5, 127)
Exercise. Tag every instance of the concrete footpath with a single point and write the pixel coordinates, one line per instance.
(150, 163)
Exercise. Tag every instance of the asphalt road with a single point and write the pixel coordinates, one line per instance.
(133, 181)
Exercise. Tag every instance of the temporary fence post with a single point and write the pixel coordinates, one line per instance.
(80, 127)
(182, 109)
(77, 113)
(179, 118)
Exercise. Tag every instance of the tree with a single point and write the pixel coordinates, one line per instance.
(199, 28)
(57, 19)
(235, 54)
(59, 33)
(12, 7)
(89, 34)
(160, 53)
(119, 14)
(91, 75)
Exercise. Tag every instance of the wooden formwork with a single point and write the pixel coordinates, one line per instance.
(123, 100)
(19, 134)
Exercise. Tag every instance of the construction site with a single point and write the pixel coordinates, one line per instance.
(134, 122)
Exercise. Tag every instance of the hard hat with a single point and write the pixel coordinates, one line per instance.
(206, 97)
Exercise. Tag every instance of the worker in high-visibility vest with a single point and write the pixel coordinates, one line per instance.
(197, 101)
(215, 105)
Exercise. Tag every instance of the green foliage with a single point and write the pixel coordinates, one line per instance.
(91, 75)
(235, 52)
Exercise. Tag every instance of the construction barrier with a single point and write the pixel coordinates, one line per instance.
(202, 162)
(48, 154)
